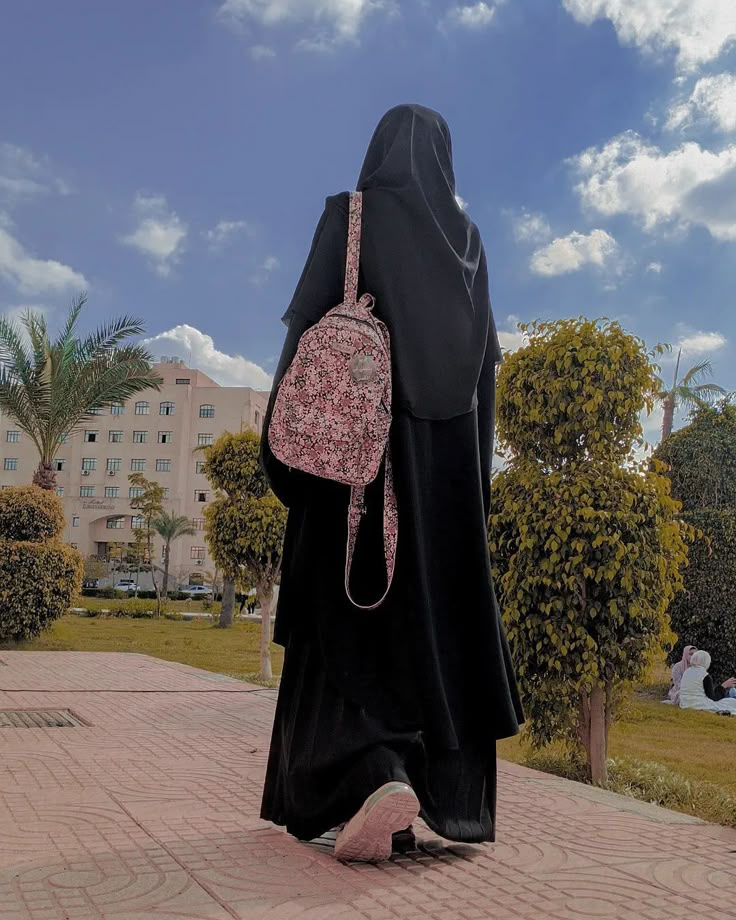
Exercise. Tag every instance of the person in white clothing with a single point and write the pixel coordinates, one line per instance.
(697, 690)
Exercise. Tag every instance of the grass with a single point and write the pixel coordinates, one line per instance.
(234, 651)
(681, 759)
(103, 603)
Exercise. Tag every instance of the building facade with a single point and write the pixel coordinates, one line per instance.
(156, 434)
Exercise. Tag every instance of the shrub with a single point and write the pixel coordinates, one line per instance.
(30, 514)
(38, 582)
(705, 613)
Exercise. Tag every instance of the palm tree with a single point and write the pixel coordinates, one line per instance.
(688, 392)
(170, 527)
(51, 387)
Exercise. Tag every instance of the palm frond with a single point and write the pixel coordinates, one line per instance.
(701, 369)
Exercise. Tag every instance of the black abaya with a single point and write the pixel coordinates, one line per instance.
(420, 689)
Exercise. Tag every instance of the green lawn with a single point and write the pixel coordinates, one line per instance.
(233, 651)
(696, 744)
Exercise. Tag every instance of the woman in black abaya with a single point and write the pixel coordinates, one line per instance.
(408, 699)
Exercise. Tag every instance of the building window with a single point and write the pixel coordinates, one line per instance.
(112, 491)
(89, 464)
(196, 552)
(183, 381)
(116, 437)
(114, 465)
(12, 437)
(91, 437)
(201, 496)
(117, 408)
(140, 437)
(165, 493)
(115, 523)
(163, 466)
(205, 440)
(75, 521)
(199, 468)
(198, 523)
(166, 408)
(136, 492)
(59, 465)
(60, 491)
(142, 408)
(137, 466)
(87, 492)
(258, 420)
(64, 438)
(96, 410)
(137, 522)
(207, 411)
(165, 437)
(11, 463)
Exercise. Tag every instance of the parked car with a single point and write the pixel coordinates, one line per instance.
(127, 584)
(196, 590)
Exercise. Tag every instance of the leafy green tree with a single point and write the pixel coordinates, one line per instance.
(701, 464)
(171, 527)
(245, 524)
(586, 545)
(688, 391)
(50, 387)
(149, 507)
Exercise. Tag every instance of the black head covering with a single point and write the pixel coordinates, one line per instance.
(423, 260)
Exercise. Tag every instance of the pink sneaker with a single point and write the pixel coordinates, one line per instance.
(368, 837)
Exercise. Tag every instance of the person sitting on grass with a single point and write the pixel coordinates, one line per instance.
(678, 670)
(697, 690)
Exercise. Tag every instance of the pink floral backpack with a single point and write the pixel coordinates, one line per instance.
(332, 412)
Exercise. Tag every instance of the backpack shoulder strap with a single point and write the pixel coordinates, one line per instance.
(352, 265)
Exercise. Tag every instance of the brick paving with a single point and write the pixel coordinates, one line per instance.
(150, 810)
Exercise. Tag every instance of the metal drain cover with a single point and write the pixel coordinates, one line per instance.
(39, 718)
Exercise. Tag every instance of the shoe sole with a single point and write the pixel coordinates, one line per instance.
(368, 837)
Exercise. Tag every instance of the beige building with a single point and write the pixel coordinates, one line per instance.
(155, 433)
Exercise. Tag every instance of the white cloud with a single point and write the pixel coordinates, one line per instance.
(531, 228)
(266, 269)
(698, 31)
(262, 53)
(687, 186)
(225, 230)
(23, 175)
(700, 343)
(511, 339)
(572, 252)
(34, 276)
(160, 234)
(477, 16)
(199, 350)
(334, 20)
(271, 264)
(655, 268)
(712, 101)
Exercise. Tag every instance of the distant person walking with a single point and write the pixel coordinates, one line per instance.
(388, 713)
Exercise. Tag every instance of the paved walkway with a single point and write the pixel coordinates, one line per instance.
(149, 809)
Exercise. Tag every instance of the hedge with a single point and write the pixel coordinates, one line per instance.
(37, 584)
(30, 514)
(704, 614)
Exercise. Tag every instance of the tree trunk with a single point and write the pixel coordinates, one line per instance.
(668, 416)
(153, 575)
(598, 750)
(45, 477)
(227, 610)
(265, 596)
(165, 589)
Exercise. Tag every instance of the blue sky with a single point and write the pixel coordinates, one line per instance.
(173, 158)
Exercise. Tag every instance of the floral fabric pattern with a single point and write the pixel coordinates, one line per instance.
(332, 413)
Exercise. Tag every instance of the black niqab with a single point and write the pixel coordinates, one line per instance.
(425, 263)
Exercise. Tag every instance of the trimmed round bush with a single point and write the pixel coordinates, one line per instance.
(37, 584)
(30, 514)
